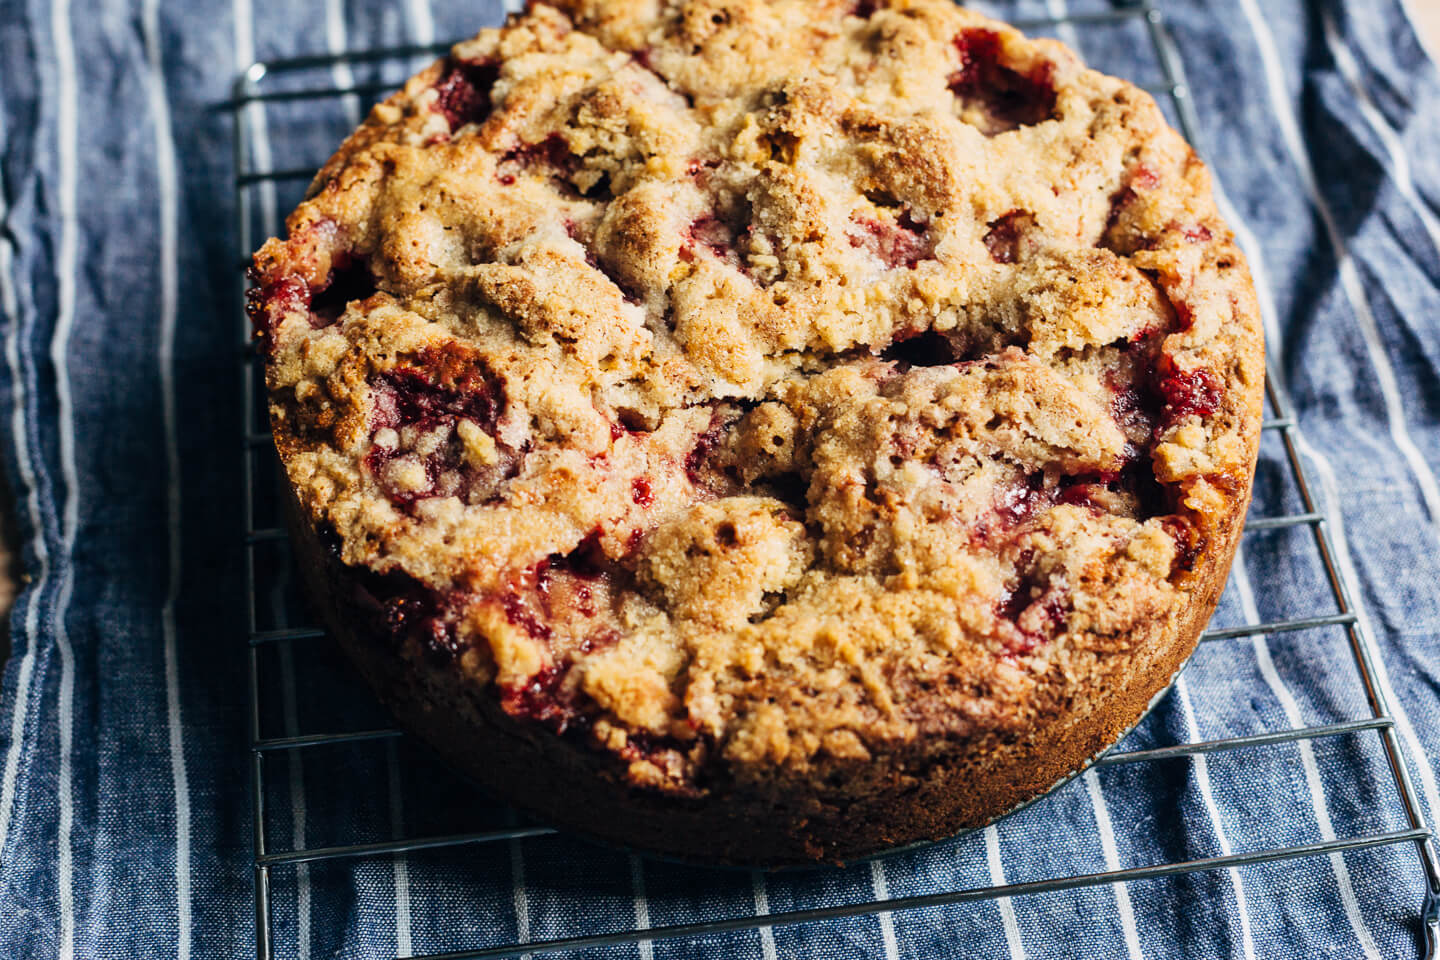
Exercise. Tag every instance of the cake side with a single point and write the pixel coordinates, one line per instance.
(566, 784)
(778, 410)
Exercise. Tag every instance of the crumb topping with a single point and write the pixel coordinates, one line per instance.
(749, 388)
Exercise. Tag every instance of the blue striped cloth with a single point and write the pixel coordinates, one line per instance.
(125, 819)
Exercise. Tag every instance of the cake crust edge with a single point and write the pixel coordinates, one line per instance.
(545, 776)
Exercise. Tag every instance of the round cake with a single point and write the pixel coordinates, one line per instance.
(763, 432)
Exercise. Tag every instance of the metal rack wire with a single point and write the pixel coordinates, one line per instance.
(251, 92)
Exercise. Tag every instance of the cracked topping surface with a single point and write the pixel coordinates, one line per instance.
(755, 389)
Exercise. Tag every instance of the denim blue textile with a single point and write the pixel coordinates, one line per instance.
(125, 819)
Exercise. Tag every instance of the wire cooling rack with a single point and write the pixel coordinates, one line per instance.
(272, 85)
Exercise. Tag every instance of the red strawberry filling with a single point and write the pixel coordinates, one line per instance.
(1014, 507)
(427, 618)
(1154, 394)
(1018, 504)
(1009, 98)
(463, 92)
(1190, 392)
(681, 759)
(1005, 235)
(270, 304)
(1125, 232)
(1134, 412)
(727, 233)
(555, 598)
(349, 280)
(411, 612)
(293, 282)
(443, 386)
(1135, 482)
(1145, 178)
(712, 232)
(700, 463)
(551, 155)
(562, 601)
(1188, 542)
(424, 421)
(1091, 491)
(521, 614)
(720, 234)
(1036, 605)
(901, 243)
(545, 699)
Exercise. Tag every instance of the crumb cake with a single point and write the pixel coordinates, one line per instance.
(763, 431)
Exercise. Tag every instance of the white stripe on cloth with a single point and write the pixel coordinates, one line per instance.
(762, 909)
(518, 896)
(1348, 901)
(1350, 282)
(169, 287)
(1111, 853)
(881, 886)
(64, 872)
(256, 119)
(403, 946)
(67, 159)
(1201, 765)
(1394, 148)
(24, 674)
(1060, 10)
(642, 906)
(336, 43)
(422, 22)
(1006, 904)
(297, 801)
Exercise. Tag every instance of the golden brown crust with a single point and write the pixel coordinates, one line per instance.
(736, 411)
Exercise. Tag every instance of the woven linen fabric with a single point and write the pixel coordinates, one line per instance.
(126, 826)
